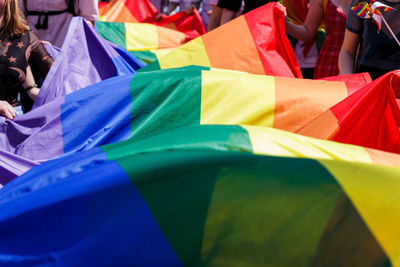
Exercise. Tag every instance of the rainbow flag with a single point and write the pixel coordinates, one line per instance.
(372, 9)
(84, 59)
(254, 53)
(144, 11)
(127, 11)
(363, 10)
(206, 195)
(150, 102)
(142, 40)
(369, 117)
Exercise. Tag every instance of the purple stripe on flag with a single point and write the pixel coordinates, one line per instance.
(84, 59)
(12, 165)
(37, 135)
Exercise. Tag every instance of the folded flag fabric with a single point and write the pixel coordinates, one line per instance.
(151, 102)
(296, 10)
(370, 117)
(96, 115)
(84, 59)
(144, 41)
(262, 48)
(140, 36)
(101, 4)
(127, 11)
(353, 81)
(204, 195)
(13, 165)
(190, 24)
(144, 11)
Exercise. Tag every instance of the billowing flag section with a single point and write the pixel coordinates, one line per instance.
(140, 36)
(151, 102)
(206, 195)
(144, 41)
(369, 117)
(84, 59)
(263, 47)
(144, 11)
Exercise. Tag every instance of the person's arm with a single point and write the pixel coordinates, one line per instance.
(39, 59)
(31, 88)
(314, 17)
(39, 64)
(215, 17)
(347, 56)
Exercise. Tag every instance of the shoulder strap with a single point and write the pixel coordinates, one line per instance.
(71, 7)
(25, 8)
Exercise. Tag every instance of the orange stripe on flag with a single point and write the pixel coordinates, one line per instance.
(169, 38)
(299, 101)
(383, 158)
(116, 12)
(325, 126)
(226, 57)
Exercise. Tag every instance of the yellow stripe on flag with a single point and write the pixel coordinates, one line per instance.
(162, 52)
(237, 98)
(270, 141)
(374, 191)
(192, 53)
(141, 36)
(170, 38)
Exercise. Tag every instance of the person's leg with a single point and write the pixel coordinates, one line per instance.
(215, 17)
(173, 4)
(227, 15)
(231, 7)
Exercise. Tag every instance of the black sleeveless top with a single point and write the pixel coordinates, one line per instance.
(15, 55)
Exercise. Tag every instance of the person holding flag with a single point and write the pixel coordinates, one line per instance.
(22, 59)
(50, 19)
(371, 42)
(332, 12)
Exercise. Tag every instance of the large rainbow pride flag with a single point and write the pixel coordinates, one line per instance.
(144, 11)
(150, 102)
(199, 165)
(144, 41)
(84, 59)
(206, 195)
(254, 53)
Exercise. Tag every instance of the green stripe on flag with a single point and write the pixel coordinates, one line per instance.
(165, 100)
(268, 210)
(229, 207)
(144, 56)
(216, 203)
(114, 32)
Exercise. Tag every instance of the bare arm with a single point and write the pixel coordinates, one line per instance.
(347, 56)
(29, 81)
(314, 17)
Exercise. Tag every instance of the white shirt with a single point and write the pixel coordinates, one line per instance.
(58, 24)
(308, 61)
